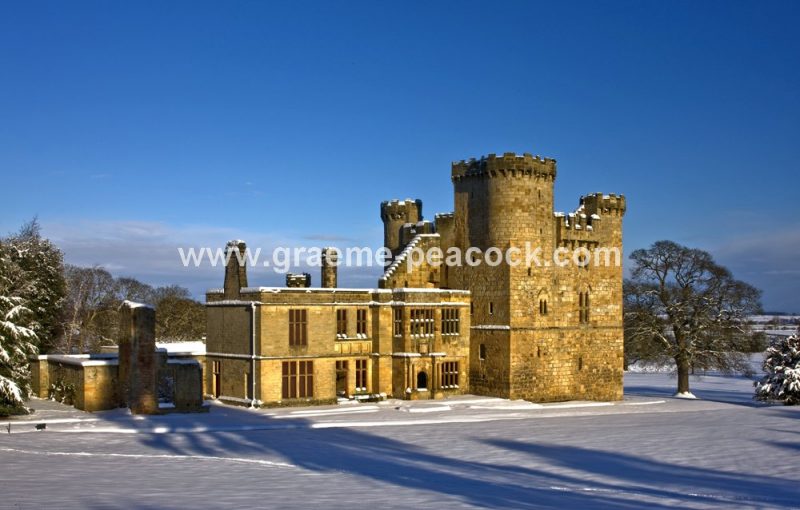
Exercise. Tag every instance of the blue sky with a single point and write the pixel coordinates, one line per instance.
(131, 128)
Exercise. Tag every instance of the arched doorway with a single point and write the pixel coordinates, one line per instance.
(422, 381)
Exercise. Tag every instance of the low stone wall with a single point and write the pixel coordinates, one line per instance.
(93, 379)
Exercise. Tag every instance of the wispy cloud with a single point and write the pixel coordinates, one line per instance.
(766, 258)
(324, 237)
(149, 251)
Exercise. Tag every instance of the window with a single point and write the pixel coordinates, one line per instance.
(583, 307)
(542, 307)
(398, 322)
(491, 308)
(471, 309)
(450, 322)
(361, 375)
(361, 322)
(341, 322)
(580, 363)
(450, 374)
(297, 379)
(482, 352)
(422, 322)
(298, 331)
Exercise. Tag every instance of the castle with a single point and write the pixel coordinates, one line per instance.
(540, 332)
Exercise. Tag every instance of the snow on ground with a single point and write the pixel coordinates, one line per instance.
(651, 450)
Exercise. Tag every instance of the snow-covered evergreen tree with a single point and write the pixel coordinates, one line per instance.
(17, 340)
(39, 281)
(782, 368)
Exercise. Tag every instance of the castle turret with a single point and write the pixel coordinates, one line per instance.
(503, 200)
(235, 271)
(395, 214)
(330, 262)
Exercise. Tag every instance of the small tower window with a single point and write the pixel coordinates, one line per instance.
(482, 352)
(542, 307)
(491, 308)
(583, 307)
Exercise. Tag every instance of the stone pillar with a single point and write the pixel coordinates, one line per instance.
(330, 262)
(138, 364)
(235, 273)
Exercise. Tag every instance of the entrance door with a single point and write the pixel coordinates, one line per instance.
(216, 379)
(341, 379)
(422, 381)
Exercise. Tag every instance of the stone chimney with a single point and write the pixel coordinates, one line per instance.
(235, 273)
(330, 263)
(295, 280)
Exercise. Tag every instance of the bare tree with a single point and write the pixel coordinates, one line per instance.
(131, 289)
(180, 319)
(680, 304)
(90, 312)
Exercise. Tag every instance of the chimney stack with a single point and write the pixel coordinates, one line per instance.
(295, 280)
(235, 273)
(330, 262)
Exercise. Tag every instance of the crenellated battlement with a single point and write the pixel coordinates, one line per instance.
(507, 165)
(589, 223)
(599, 203)
(577, 227)
(405, 210)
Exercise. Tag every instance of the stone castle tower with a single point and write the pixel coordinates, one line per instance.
(395, 215)
(539, 332)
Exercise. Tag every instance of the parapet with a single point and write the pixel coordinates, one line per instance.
(444, 222)
(410, 230)
(507, 165)
(599, 203)
(407, 209)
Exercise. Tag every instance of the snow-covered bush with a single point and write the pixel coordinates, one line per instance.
(61, 391)
(782, 368)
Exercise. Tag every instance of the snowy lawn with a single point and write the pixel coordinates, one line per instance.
(651, 450)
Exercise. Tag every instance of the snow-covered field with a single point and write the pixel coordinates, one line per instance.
(650, 450)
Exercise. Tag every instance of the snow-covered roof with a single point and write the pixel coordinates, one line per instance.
(134, 304)
(195, 348)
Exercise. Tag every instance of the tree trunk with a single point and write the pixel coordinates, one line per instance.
(683, 374)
